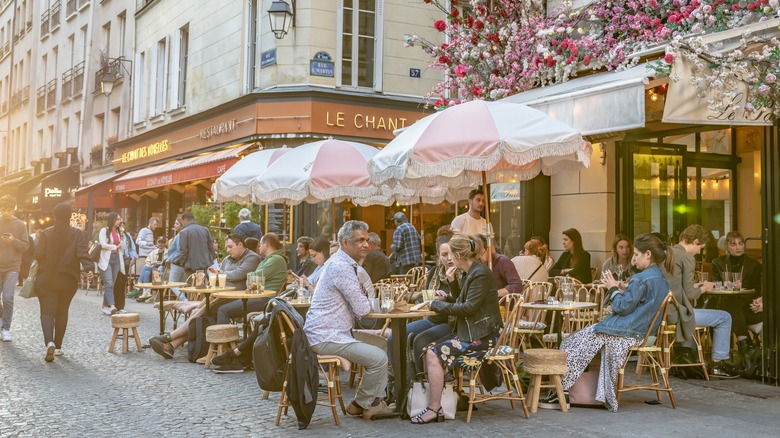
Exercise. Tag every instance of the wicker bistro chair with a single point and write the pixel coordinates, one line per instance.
(669, 338)
(503, 356)
(530, 325)
(651, 357)
(328, 365)
(417, 278)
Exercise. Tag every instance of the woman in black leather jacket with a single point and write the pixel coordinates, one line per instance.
(478, 322)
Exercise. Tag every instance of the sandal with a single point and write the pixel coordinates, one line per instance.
(439, 418)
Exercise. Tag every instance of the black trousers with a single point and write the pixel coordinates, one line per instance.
(741, 315)
(119, 290)
(55, 303)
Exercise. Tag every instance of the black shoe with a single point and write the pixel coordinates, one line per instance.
(232, 367)
(164, 349)
(723, 371)
(550, 401)
(223, 358)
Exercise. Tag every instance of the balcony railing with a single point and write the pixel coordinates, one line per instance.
(40, 105)
(109, 154)
(51, 94)
(113, 68)
(95, 158)
(26, 93)
(4, 108)
(67, 85)
(70, 8)
(82, 3)
(55, 15)
(44, 24)
(78, 79)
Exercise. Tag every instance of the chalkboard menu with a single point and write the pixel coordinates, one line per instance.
(279, 219)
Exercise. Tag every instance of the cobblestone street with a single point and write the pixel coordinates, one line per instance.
(90, 392)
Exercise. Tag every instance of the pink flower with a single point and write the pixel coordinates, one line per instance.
(764, 89)
(440, 25)
(770, 78)
(460, 70)
(669, 58)
(749, 108)
(455, 12)
(586, 60)
(735, 7)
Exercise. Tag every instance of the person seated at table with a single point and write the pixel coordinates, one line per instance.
(575, 261)
(435, 327)
(337, 301)
(633, 309)
(155, 260)
(236, 265)
(319, 253)
(477, 325)
(273, 269)
(251, 244)
(620, 262)
(692, 240)
(530, 264)
(504, 272)
(377, 263)
(738, 306)
(305, 263)
(544, 252)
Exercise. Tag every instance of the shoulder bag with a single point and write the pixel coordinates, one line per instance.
(28, 289)
(419, 396)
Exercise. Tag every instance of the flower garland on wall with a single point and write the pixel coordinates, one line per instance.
(494, 53)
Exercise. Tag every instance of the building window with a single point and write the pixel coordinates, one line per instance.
(122, 32)
(159, 78)
(181, 80)
(140, 81)
(107, 38)
(252, 36)
(359, 34)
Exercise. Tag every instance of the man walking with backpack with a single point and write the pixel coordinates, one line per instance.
(13, 242)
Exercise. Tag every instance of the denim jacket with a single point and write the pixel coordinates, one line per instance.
(173, 251)
(633, 310)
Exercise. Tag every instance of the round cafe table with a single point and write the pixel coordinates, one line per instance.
(244, 296)
(558, 310)
(207, 293)
(731, 292)
(163, 290)
(398, 321)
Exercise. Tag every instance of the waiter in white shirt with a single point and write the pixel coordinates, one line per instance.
(472, 222)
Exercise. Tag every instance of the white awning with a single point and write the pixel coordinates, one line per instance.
(596, 104)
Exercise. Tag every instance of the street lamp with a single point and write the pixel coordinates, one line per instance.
(281, 15)
(109, 76)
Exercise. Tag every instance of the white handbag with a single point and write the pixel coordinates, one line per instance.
(419, 396)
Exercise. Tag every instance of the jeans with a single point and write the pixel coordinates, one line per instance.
(176, 275)
(235, 309)
(720, 321)
(425, 332)
(8, 284)
(374, 362)
(109, 278)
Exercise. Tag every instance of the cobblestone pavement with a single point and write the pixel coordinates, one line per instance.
(92, 393)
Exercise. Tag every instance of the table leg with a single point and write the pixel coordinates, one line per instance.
(559, 327)
(245, 302)
(208, 304)
(161, 294)
(398, 326)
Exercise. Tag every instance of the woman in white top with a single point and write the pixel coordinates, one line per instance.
(543, 252)
(111, 263)
(530, 265)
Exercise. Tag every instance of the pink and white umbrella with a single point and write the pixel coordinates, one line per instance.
(328, 170)
(478, 141)
(234, 184)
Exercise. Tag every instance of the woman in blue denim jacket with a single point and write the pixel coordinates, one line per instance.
(633, 309)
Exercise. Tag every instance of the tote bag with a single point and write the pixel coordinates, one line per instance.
(28, 291)
(419, 396)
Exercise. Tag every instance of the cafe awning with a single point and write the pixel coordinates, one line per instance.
(597, 104)
(101, 193)
(9, 184)
(45, 191)
(207, 165)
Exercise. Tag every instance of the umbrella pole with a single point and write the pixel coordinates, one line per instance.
(333, 218)
(422, 236)
(489, 248)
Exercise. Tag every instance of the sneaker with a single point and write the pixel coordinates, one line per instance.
(354, 409)
(112, 309)
(59, 352)
(233, 367)
(135, 293)
(224, 358)
(550, 401)
(143, 298)
(164, 349)
(5, 335)
(378, 409)
(721, 371)
(105, 310)
(50, 352)
(183, 297)
(121, 312)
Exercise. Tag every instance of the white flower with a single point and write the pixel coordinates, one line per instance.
(581, 30)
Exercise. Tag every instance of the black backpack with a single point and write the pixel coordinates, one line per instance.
(197, 346)
(268, 355)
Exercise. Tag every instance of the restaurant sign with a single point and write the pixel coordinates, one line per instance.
(218, 129)
(52, 192)
(146, 151)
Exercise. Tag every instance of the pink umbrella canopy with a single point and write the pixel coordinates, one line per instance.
(321, 171)
(234, 184)
(453, 147)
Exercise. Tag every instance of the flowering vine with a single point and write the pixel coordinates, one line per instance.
(493, 53)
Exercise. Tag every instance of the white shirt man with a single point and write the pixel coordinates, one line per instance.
(472, 221)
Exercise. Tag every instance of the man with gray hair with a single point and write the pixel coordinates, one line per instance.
(338, 299)
(247, 228)
(376, 263)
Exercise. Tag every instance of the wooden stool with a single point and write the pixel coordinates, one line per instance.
(125, 322)
(540, 362)
(220, 336)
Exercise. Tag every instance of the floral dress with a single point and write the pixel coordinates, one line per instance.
(453, 352)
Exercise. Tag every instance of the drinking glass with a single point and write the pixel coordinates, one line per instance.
(619, 272)
(212, 279)
(200, 276)
(704, 277)
(736, 278)
(251, 282)
(222, 280)
(727, 280)
(428, 294)
(306, 294)
(567, 293)
(386, 303)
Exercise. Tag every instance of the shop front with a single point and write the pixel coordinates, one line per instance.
(38, 195)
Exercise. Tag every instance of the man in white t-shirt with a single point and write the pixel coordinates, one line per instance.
(472, 221)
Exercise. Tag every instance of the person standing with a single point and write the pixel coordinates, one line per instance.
(61, 251)
(196, 246)
(406, 244)
(376, 263)
(471, 222)
(129, 255)
(112, 260)
(13, 242)
(145, 242)
(247, 228)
